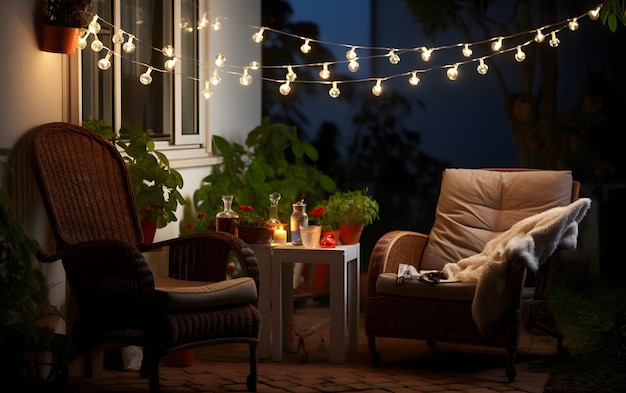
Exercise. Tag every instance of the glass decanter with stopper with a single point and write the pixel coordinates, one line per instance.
(273, 221)
(298, 219)
(225, 220)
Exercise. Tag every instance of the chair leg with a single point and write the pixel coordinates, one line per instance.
(539, 315)
(510, 365)
(150, 368)
(371, 344)
(251, 381)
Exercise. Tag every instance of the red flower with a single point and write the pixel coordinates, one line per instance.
(246, 208)
(190, 225)
(201, 215)
(317, 212)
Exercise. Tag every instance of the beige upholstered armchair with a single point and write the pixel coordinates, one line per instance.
(474, 207)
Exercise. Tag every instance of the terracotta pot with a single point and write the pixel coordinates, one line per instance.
(254, 235)
(58, 39)
(350, 234)
(149, 229)
(182, 358)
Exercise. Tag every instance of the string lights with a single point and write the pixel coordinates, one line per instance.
(499, 45)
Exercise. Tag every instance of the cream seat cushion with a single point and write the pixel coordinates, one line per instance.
(475, 205)
(185, 295)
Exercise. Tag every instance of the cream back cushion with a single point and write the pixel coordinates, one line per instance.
(476, 205)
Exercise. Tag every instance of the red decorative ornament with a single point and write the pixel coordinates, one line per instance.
(328, 240)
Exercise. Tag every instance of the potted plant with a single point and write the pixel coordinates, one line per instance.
(27, 317)
(251, 226)
(61, 21)
(353, 210)
(156, 185)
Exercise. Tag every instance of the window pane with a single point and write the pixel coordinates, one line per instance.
(188, 67)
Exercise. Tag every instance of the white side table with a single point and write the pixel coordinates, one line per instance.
(344, 261)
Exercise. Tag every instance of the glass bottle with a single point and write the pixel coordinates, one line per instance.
(225, 220)
(274, 221)
(298, 218)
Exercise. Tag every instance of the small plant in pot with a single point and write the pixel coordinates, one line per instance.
(61, 21)
(251, 226)
(353, 210)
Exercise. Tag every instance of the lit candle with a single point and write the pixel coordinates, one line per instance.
(280, 235)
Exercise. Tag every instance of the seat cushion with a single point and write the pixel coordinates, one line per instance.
(456, 291)
(185, 295)
(475, 205)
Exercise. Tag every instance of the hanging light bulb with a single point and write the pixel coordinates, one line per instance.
(168, 50)
(129, 46)
(203, 22)
(254, 65)
(351, 54)
(334, 91)
(414, 79)
(393, 57)
(467, 51)
(554, 41)
(496, 45)
(519, 54)
(216, 24)
(482, 67)
(453, 72)
(426, 53)
(94, 27)
(245, 79)
(594, 14)
(539, 38)
(118, 37)
(171, 64)
(377, 89)
(82, 40)
(105, 63)
(353, 66)
(207, 92)
(573, 24)
(258, 36)
(285, 89)
(324, 73)
(220, 60)
(145, 78)
(96, 44)
(215, 78)
(305, 48)
(291, 76)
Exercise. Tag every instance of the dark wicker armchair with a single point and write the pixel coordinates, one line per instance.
(474, 206)
(91, 208)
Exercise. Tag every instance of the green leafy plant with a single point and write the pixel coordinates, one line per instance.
(69, 13)
(155, 183)
(274, 159)
(353, 208)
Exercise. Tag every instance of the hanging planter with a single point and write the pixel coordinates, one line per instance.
(58, 39)
(61, 21)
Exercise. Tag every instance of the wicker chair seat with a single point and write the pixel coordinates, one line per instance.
(181, 295)
(387, 285)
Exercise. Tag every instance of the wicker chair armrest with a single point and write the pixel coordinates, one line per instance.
(391, 250)
(205, 256)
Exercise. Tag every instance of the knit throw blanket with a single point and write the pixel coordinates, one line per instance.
(532, 240)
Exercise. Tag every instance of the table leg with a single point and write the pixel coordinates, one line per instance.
(287, 303)
(338, 310)
(353, 305)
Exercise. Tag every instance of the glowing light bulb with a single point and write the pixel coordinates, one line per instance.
(393, 57)
(291, 76)
(94, 27)
(305, 48)
(207, 92)
(258, 36)
(414, 79)
(82, 40)
(145, 78)
(467, 51)
(595, 13)
(539, 38)
(96, 44)
(105, 63)
(215, 78)
(554, 41)
(254, 65)
(519, 54)
(171, 64)
(377, 89)
(285, 89)
(118, 37)
(129, 46)
(245, 79)
(168, 50)
(426, 53)
(482, 67)
(217, 24)
(325, 73)
(203, 22)
(351, 54)
(353, 66)
(334, 91)
(573, 24)
(496, 45)
(220, 60)
(453, 72)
